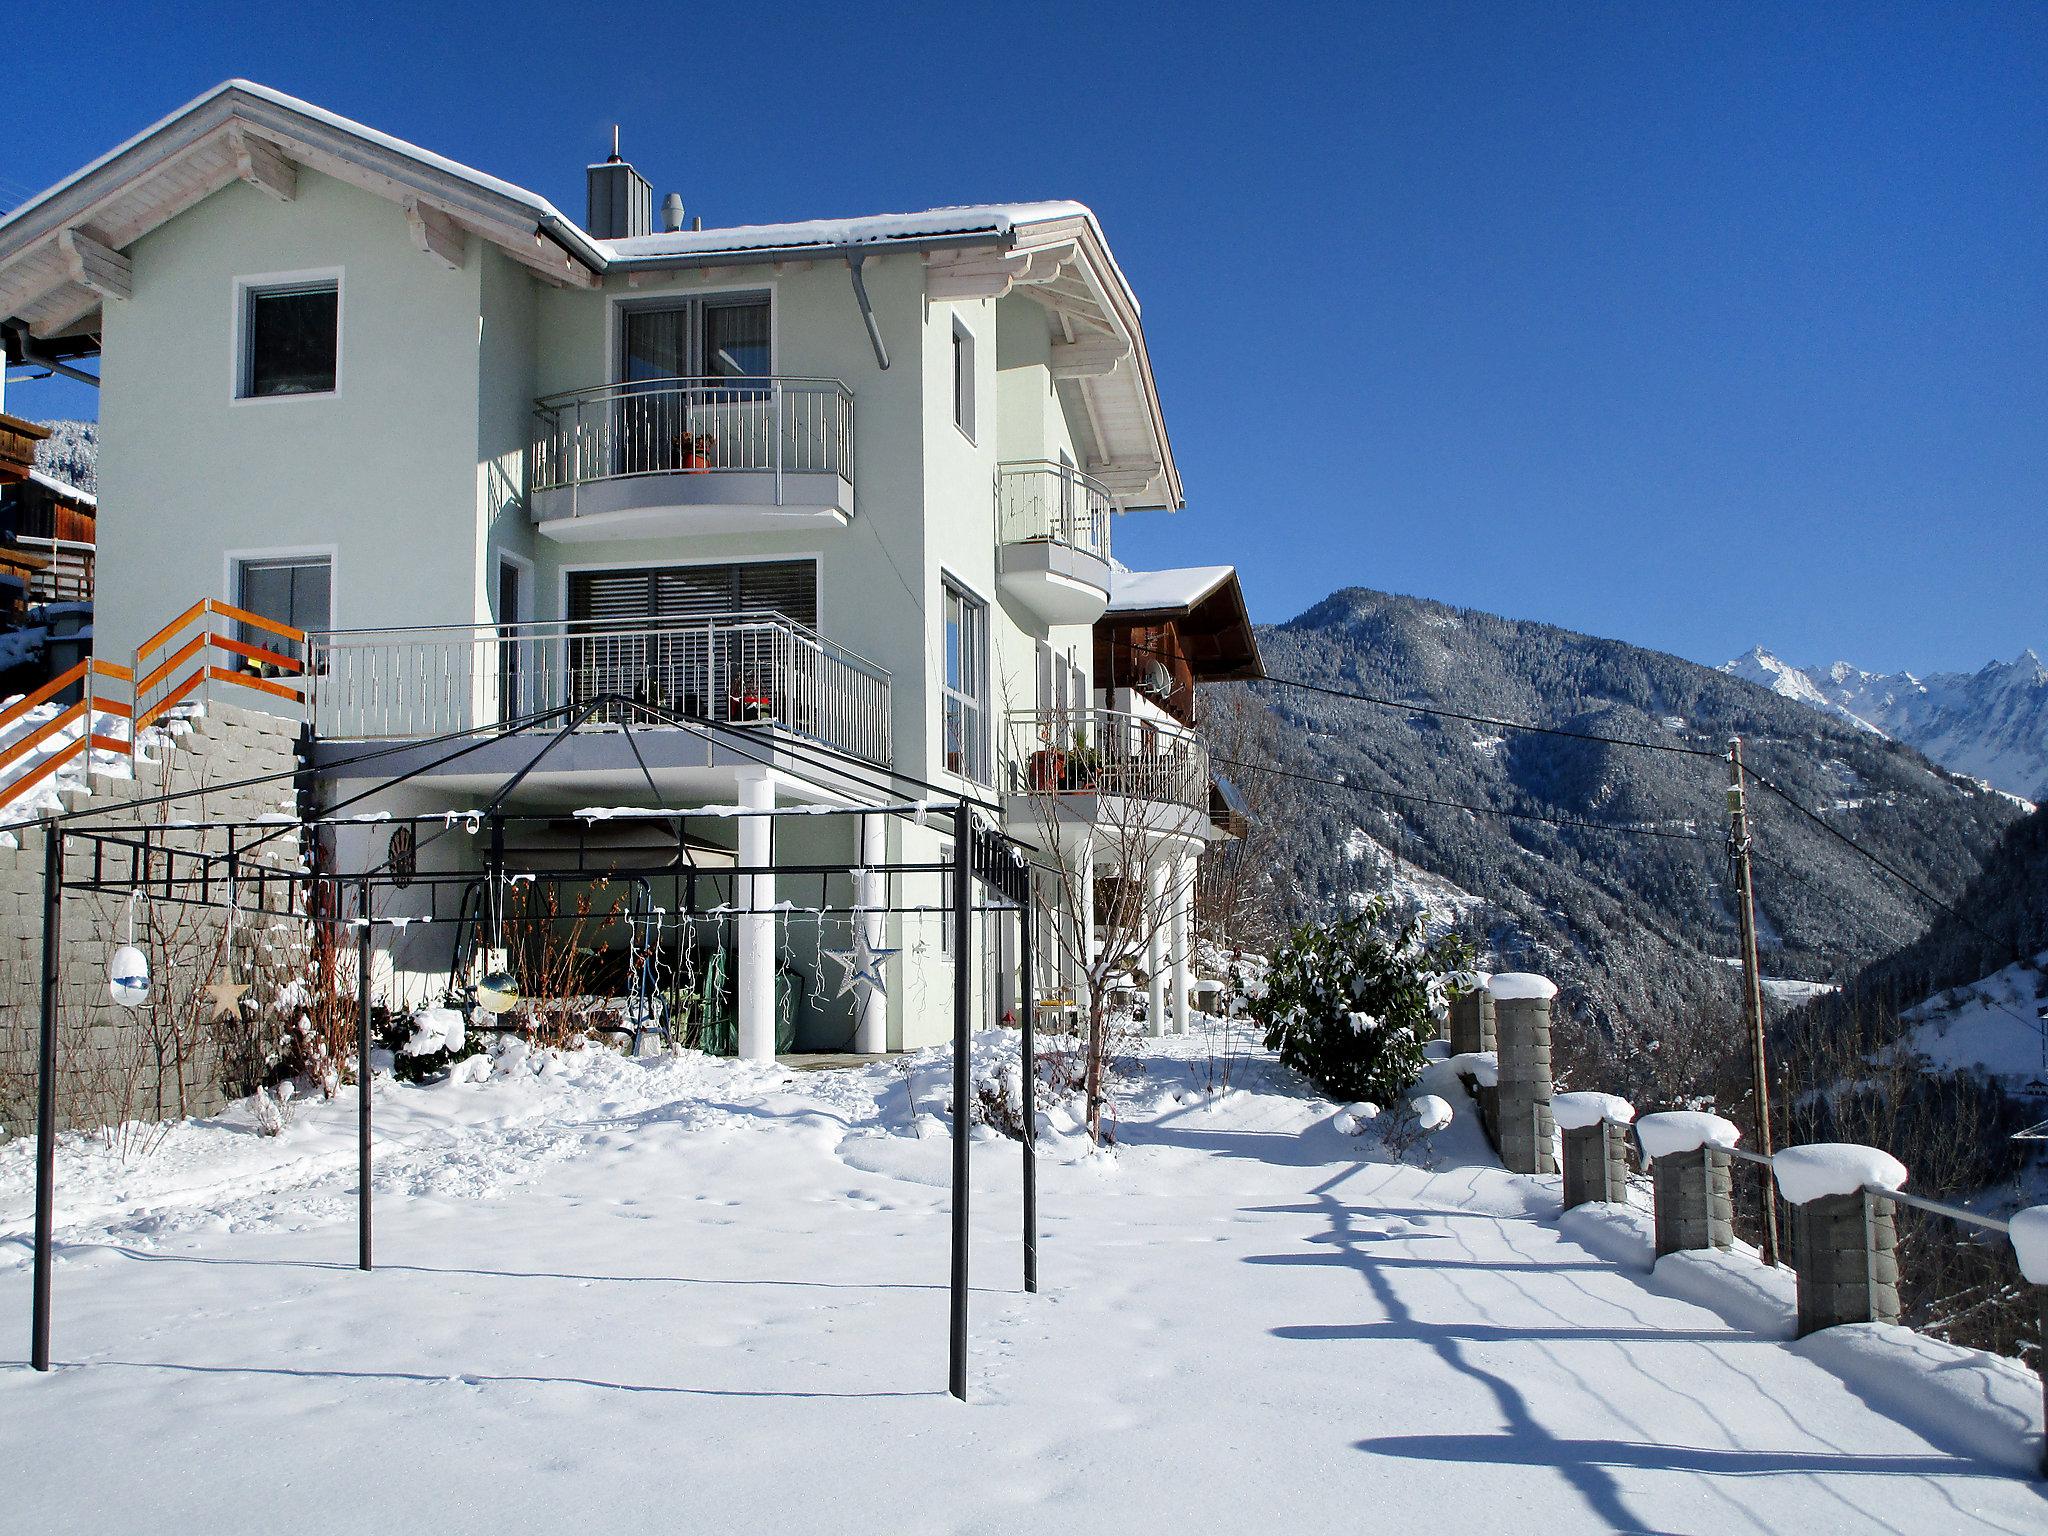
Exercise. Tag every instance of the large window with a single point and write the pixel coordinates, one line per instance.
(297, 590)
(291, 339)
(966, 685)
(719, 338)
(663, 594)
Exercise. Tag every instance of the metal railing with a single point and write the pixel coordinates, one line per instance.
(753, 669)
(1037, 499)
(68, 578)
(769, 425)
(1107, 752)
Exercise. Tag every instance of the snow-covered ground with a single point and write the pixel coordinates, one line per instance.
(1992, 1026)
(683, 1294)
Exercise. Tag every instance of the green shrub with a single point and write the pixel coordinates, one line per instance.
(1349, 1004)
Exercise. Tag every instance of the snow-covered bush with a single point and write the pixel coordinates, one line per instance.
(1348, 1004)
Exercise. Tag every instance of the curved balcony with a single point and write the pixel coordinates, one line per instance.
(1107, 768)
(1052, 539)
(692, 455)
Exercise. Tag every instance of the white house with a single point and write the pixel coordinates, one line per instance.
(846, 482)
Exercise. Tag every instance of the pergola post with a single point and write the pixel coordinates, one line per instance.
(363, 1054)
(46, 1101)
(756, 922)
(963, 1029)
(1027, 1012)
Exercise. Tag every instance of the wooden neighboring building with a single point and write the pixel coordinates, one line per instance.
(47, 527)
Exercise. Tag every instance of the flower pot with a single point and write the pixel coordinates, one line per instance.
(1048, 770)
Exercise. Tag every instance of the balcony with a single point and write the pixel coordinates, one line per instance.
(1108, 767)
(700, 455)
(741, 669)
(1052, 540)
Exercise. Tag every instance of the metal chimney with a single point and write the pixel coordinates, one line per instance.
(672, 212)
(621, 199)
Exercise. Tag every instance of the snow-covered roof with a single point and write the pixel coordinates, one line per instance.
(1155, 591)
(63, 488)
(994, 219)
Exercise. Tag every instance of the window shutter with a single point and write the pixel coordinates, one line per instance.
(693, 593)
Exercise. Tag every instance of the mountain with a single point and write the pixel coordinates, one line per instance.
(1991, 724)
(71, 453)
(1632, 912)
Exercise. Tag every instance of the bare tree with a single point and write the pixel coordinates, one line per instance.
(1111, 801)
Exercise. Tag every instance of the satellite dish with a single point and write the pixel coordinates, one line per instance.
(1158, 681)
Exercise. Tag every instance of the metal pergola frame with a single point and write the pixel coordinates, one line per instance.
(129, 858)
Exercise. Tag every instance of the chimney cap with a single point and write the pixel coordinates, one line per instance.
(672, 212)
(614, 160)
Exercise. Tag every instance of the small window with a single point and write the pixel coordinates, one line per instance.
(963, 379)
(297, 591)
(291, 339)
(966, 685)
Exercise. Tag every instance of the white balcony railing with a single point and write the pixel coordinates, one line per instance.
(771, 426)
(68, 577)
(748, 669)
(1107, 752)
(1038, 500)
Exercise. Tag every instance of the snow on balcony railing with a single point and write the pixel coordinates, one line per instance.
(771, 425)
(752, 669)
(1037, 499)
(1107, 752)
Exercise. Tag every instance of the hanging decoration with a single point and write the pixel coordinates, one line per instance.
(862, 962)
(227, 994)
(128, 971)
(497, 993)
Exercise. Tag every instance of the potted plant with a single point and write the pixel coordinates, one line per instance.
(1048, 770)
(1083, 766)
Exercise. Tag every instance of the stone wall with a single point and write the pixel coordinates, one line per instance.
(166, 1058)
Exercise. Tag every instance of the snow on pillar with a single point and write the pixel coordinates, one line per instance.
(1528, 1136)
(1183, 940)
(1155, 947)
(871, 1019)
(756, 923)
(1595, 1127)
(1845, 1243)
(1690, 1174)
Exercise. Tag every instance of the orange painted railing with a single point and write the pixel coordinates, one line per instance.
(180, 660)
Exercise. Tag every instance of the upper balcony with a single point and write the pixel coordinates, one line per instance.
(1052, 540)
(755, 669)
(700, 455)
(1118, 772)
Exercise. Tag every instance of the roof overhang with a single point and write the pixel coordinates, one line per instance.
(62, 254)
(1214, 626)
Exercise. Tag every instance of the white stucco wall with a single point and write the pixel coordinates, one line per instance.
(382, 473)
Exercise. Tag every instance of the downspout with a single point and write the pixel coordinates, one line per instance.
(854, 257)
(24, 348)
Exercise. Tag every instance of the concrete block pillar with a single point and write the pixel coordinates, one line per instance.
(1845, 1249)
(1695, 1193)
(1155, 947)
(1183, 940)
(755, 975)
(1595, 1164)
(1528, 1135)
(871, 1020)
(1472, 1022)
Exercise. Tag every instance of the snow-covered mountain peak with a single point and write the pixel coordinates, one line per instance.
(1991, 724)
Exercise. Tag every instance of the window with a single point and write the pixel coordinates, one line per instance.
(723, 338)
(291, 339)
(963, 379)
(663, 593)
(297, 590)
(966, 685)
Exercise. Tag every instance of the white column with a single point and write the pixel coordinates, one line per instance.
(1155, 946)
(756, 923)
(871, 1024)
(1183, 939)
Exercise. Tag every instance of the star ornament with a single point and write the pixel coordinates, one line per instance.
(861, 963)
(227, 1000)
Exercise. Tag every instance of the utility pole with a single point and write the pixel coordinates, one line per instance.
(1752, 986)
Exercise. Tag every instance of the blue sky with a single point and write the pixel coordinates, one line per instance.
(1696, 326)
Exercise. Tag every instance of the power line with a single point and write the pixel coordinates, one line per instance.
(1624, 828)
